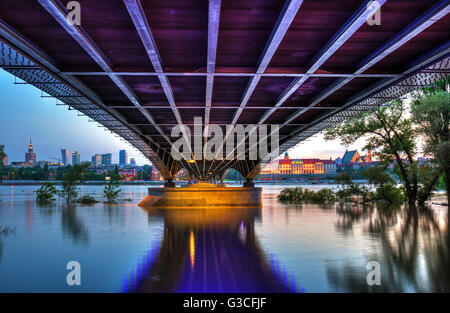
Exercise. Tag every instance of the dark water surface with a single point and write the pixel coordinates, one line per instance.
(279, 248)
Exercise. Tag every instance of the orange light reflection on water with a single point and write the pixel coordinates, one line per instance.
(192, 248)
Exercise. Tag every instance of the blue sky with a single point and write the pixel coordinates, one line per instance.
(24, 114)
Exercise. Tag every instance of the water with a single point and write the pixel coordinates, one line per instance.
(280, 248)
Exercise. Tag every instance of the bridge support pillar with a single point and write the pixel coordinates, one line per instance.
(203, 196)
(249, 183)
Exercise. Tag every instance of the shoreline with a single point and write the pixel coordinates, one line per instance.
(178, 183)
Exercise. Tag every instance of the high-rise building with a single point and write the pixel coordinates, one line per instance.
(30, 156)
(133, 161)
(123, 157)
(76, 157)
(107, 159)
(65, 157)
(97, 160)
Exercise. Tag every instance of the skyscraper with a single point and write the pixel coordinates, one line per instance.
(65, 158)
(76, 157)
(97, 160)
(123, 157)
(30, 156)
(106, 159)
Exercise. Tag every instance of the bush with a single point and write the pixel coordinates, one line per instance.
(325, 195)
(391, 194)
(69, 192)
(111, 191)
(291, 194)
(45, 193)
(86, 200)
(299, 194)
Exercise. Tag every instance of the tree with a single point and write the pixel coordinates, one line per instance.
(384, 184)
(431, 112)
(111, 191)
(391, 137)
(46, 171)
(74, 175)
(45, 193)
(2, 154)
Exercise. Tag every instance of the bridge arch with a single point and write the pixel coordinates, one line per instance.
(234, 172)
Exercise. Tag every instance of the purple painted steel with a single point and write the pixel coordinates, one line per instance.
(155, 64)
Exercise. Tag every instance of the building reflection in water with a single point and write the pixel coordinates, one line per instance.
(412, 249)
(208, 251)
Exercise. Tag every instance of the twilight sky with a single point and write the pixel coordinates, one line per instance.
(24, 114)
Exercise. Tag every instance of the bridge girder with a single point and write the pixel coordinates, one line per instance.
(145, 122)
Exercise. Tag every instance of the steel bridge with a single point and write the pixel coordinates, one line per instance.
(141, 67)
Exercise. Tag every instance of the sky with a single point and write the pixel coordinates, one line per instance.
(24, 114)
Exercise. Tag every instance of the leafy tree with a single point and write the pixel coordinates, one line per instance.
(68, 192)
(111, 191)
(46, 172)
(45, 193)
(430, 111)
(2, 154)
(391, 137)
(384, 184)
(74, 175)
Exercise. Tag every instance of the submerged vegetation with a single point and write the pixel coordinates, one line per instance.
(111, 191)
(382, 189)
(86, 200)
(74, 176)
(46, 193)
(299, 194)
(393, 131)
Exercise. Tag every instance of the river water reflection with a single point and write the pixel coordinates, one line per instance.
(279, 248)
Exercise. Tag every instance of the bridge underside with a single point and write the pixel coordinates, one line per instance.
(139, 68)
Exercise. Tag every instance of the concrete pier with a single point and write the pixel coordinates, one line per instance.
(203, 195)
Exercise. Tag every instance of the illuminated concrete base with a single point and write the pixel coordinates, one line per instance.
(203, 195)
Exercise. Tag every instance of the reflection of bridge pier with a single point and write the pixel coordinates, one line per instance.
(210, 251)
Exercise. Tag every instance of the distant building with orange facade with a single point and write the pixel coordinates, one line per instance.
(300, 166)
(316, 166)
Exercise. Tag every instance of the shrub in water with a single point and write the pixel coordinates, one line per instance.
(45, 193)
(111, 191)
(86, 200)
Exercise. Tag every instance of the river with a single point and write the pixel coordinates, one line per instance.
(279, 248)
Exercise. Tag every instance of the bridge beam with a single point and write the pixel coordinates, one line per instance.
(87, 102)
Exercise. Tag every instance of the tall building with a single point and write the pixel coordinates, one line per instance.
(76, 157)
(107, 159)
(30, 156)
(133, 161)
(65, 157)
(123, 157)
(97, 160)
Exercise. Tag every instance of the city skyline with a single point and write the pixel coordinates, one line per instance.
(52, 127)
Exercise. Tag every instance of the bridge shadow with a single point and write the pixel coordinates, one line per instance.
(208, 251)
